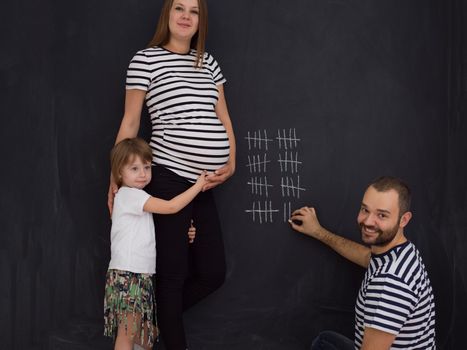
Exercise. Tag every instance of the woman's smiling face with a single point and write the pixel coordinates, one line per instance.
(183, 20)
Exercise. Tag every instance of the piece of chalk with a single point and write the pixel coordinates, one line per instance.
(296, 222)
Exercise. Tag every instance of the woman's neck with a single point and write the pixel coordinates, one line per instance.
(177, 46)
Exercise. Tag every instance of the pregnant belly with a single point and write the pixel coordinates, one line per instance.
(195, 150)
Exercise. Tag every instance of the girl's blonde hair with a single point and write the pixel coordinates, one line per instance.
(198, 42)
(124, 152)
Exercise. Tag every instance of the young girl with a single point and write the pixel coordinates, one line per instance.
(128, 304)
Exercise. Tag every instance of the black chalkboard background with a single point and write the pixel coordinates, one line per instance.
(369, 88)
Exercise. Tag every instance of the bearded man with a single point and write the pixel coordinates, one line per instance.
(395, 305)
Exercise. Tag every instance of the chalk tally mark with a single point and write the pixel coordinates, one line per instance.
(291, 188)
(287, 140)
(287, 211)
(257, 140)
(259, 186)
(258, 164)
(263, 214)
(288, 161)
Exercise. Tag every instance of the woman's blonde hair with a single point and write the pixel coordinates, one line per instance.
(124, 152)
(198, 41)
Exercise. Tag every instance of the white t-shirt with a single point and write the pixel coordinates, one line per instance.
(133, 243)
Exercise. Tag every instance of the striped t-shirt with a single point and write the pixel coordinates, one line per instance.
(396, 297)
(187, 136)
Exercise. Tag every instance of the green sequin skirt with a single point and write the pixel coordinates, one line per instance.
(130, 294)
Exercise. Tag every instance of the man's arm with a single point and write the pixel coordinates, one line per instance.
(310, 226)
(374, 339)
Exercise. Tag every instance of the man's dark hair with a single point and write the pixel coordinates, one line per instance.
(387, 183)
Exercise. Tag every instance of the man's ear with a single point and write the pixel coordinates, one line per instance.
(405, 218)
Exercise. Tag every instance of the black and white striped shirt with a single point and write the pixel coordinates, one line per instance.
(187, 136)
(396, 297)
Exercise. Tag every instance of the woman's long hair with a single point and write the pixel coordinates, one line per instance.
(198, 41)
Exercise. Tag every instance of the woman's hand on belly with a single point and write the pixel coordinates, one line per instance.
(220, 175)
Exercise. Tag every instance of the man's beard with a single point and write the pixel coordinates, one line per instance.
(382, 237)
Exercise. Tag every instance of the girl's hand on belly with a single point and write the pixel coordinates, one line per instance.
(219, 176)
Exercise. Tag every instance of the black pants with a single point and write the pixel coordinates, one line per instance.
(329, 340)
(185, 273)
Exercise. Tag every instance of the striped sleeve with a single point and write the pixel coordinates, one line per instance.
(215, 70)
(389, 303)
(138, 73)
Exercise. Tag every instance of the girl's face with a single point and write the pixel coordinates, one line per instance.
(136, 173)
(183, 20)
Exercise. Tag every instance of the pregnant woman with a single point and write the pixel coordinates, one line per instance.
(191, 132)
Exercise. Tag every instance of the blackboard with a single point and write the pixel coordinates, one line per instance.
(343, 91)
